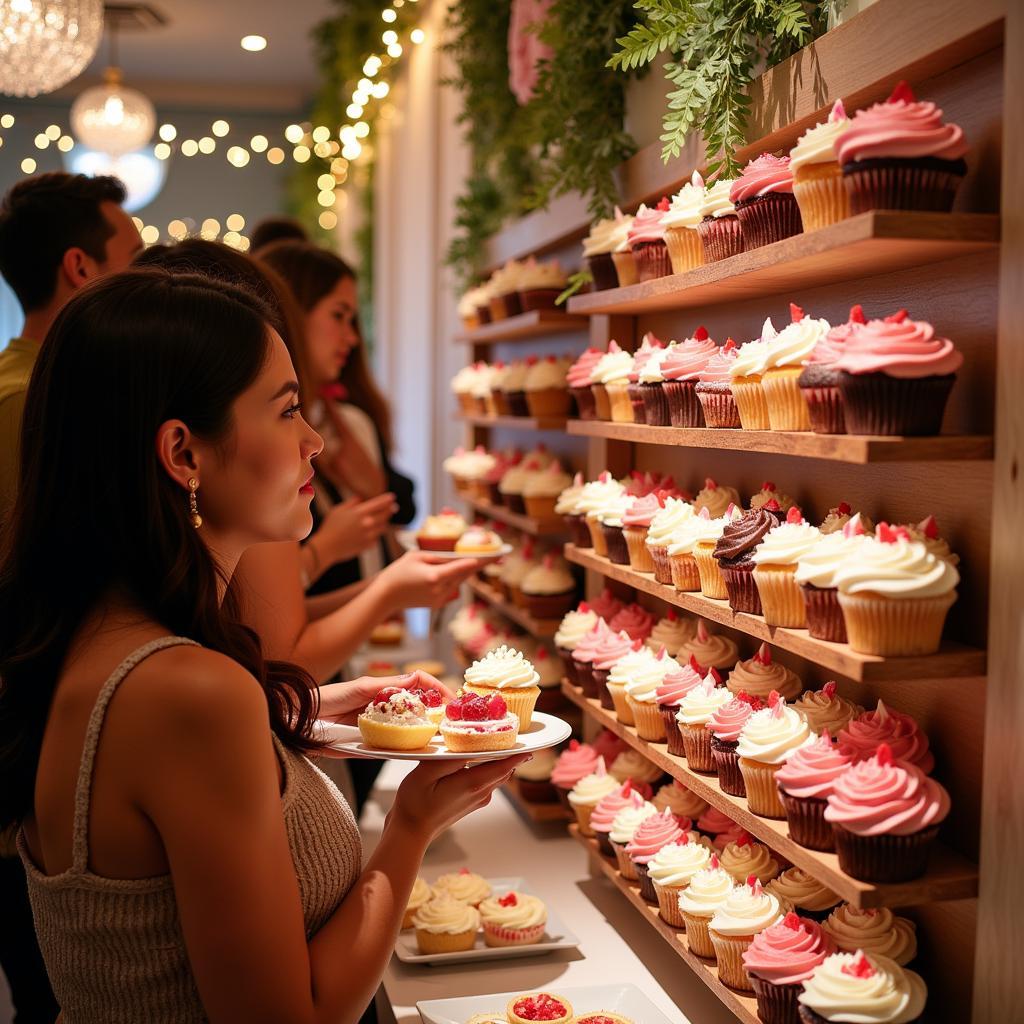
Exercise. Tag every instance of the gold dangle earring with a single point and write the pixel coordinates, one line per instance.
(193, 507)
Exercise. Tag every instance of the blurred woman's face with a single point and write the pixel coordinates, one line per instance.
(331, 331)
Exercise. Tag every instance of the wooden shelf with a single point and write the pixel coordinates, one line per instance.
(526, 524)
(743, 1006)
(537, 323)
(511, 422)
(949, 877)
(833, 447)
(539, 628)
(867, 244)
(951, 661)
(540, 813)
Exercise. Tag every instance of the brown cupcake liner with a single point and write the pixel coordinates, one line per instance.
(569, 663)
(762, 790)
(668, 905)
(615, 544)
(697, 744)
(619, 403)
(539, 298)
(540, 506)
(875, 403)
(787, 409)
(600, 676)
(684, 407)
(652, 260)
(825, 409)
(895, 627)
(885, 858)
(604, 843)
(579, 532)
(656, 406)
(920, 183)
(483, 314)
(621, 706)
(517, 403)
(585, 678)
(636, 544)
(742, 590)
(807, 824)
(782, 603)
(662, 564)
(626, 866)
(563, 799)
(602, 405)
(824, 616)
(673, 737)
(585, 406)
(776, 1004)
(685, 251)
(685, 575)
(727, 764)
(719, 408)
(712, 582)
(650, 725)
(551, 606)
(625, 268)
(698, 935)
(493, 494)
(729, 950)
(516, 502)
(751, 403)
(547, 403)
(720, 237)
(602, 269)
(646, 883)
(636, 400)
(767, 219)
(597, 537)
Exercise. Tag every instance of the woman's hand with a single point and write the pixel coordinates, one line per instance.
(344, 702)
(351, 527)
(421, 580)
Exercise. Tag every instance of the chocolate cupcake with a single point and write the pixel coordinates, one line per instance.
(578, 380)
(599, 245)
(764, 201)
(714, 391)
(735, 554)
(647, 242)
(719, 229)
(681, 370)
(819, 381)
(651, 350)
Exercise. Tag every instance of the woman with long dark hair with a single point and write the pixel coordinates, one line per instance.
(186, 862)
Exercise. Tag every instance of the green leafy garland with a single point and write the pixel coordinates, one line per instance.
(716, 46)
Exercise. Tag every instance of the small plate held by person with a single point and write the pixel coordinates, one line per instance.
(407, 540)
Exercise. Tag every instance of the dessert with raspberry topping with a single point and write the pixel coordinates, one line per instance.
(539, 1006)
(396, 719)
(473, 722)
(432, 700)
(602, 1017)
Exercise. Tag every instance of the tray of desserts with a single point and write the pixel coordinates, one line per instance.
(585, 1004)
(447, 535)
(492, 918)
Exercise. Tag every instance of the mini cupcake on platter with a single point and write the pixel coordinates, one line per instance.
(681, 222)
(734, 552)
(901, 155)
(827, 709)
(610, 384)
(875, 930)
(669, 696)
(641, 693)
(713, 388)
(587, 794)
(603, 816)
(712, 650)
(747, 910)
(663, 525)
(796, 888)
(671, 632)
(547, 393)
(745, 376)
(817, 177)
(624, 827)
(725, 727)
(600, 243)
(744, 857)
(441, 532)
(900, 732)
(671, 870)
(647, 242)
(549, 589)
(396, 719)
(775, 565)
(764, 201)
(819, 380)
(720, 233)
(446, 925)
(475, 723)
(463, 885)
(652, 834)
(539, 1006)
(680, 370)
(513, 919)
(575, 762)
(787, 355)
(650, 351)
(506, 673)
(761, 674)
(694, 714)
(571, 630)
(478, 540)
(805, 783)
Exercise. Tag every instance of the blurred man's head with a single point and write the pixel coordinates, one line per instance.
(58, 231)
(276, 229)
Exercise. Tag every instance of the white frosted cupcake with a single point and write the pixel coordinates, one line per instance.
(671, 870)
(446, 925)
(747, 910)
(699, 901)
(507, 672)
(862, 986)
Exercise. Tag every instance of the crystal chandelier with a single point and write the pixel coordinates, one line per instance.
(112, 118)
(46, 43)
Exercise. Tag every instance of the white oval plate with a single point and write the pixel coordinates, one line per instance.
(545, 731)
(407, 540)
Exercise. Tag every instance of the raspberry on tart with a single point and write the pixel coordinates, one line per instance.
(539, 1006)
(473, 722)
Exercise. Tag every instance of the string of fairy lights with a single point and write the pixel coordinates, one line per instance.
(337, 148)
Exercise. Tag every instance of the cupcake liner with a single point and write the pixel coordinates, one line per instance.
(483, 314)
(727, 764)
(466, 403)
(615, 544)
(550, 606)
(501, 403)
(602, 406)
(579, 532)
(563, 799)
(636, 400)
(685, 251)
(623, 712)
(782, 603)
(769, 218)
(547, 403)
(521, 700)
(895, 627)
(646, 883)
(499, 308)
(875, 403)
(751, 404)
(656, 406)
(787, 409)
(517, 503)
(650, 725)
(602, 269)
(684, 407)
(762, 790)
(636, 544)
(597, 541)
(583, 818)
(540, 506)
(491, 403)
(685, 575)
(517, 403)
(807, 824)
(480, 489)
(719, 406)
(444, 942)
(698, 935)
(720, 238)
(619, 404)
(661, 563)
(821, 195)
(668, 904)
(495, 935)
(604, 843)
(729, 950)
(825, 410)
(884, 858)
(712, 582)
(742, 590)
(824, 616)
(600, 676)
(652, 260)
(776, 1004)
(672, 734)
(626, 866)
(585, 678)
(585, 405)
(890, 183)
(697, 744)
(539, 298)
(625, 268)
(569, 663)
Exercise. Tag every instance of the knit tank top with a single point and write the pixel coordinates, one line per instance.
(113, 947)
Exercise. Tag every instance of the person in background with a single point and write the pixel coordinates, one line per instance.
(57, 233)
(276, 229)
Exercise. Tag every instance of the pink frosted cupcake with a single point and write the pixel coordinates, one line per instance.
(583, 657)
(647, 242)
(635, 524)
(764, 201)
(636, 620)
(576, 761)
(681, 369)
(693, 716)
(629, 794)
(714, 822)
(578, 379)
(899, 732)
(652, 834)
(725, 727)
(575, 625)
(713, 389)
(674, 687)
(805, 783)
(607, 605)
(612, 647)
(819, 379)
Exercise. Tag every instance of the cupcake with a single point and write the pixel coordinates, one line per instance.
(713, 388)
(513, 919)
(652, 834)
(547, 394)
(715, 498)
(779, 960)
(817, 177)
(541, 491)
(805, 783)
(462, 387)
(895, 595)
(506, 673)
(694, 714)
(571, 630)
(515, 480)
(764, 201)
(441, 532)
(533, 778)
(640, 662)
(610, 385)
(417, 898)
(624, 827)
(827, 709)
(712, 582)
(587, 794)
(575, 762)
(717, 823)
(671, 632)
(539, 1006)
(682, 543)
(540, 284)
(725, 726)
(747, 910)
(745, 375)
(712, 650)
(647, 242)
(396, 719)
(513, 383)
(445, 925)
(599, 245)
(663, 524)
(595, 495)
(463, 885)
(635, 525)
(744, 857)
(819, 379)
(862, 737)
(796, 888)
(839, 516)
(720, 233)
(885, 815)
(467, 308)
(504, 291)
(549, 673)
(770, 493)
(622, 256)
(761, 674)
(681, 369)
(583, 657)
(473, 723)
(900, 155)
(641, 692)
(578, 378)
(852, 986)
(611, 649)
(816, 574)
(708, 890)
(787, 354)
(926, 532)
(603, 816)
(671, 870)
(631, 764)
(514, 569)
(567, 506)
(680, 800)
(635, 620)
(769, 738)
(681, 222)
(647, 388)
(895, 376)
(650, 353)
(478, 540)
(734, 553)
(875, 930)
(669, 695)
(775, 563)
(549, 588)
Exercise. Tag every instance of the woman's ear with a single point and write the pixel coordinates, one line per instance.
(176, 452)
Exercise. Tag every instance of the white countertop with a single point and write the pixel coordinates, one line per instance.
(615, 944)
